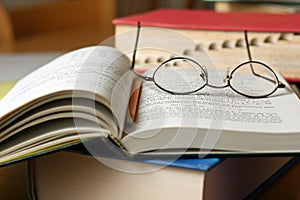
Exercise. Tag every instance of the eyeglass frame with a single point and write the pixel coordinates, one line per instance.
(228, 77)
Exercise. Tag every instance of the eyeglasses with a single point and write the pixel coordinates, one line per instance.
(183, 75)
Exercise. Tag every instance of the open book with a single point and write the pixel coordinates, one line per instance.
(84, 95)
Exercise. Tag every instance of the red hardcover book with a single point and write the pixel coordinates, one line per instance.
(225, 26)
(210, 20)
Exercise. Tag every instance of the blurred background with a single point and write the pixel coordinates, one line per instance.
(63, 25)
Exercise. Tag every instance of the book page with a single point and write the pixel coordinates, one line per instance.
(158, 110)
(48, 136)
(60, 109)
(89, 72)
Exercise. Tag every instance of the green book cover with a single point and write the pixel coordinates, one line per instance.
(5, 87)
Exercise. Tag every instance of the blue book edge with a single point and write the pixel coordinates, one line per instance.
(202, 164)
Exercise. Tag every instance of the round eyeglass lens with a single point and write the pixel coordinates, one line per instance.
(180, 76)
(253, 79)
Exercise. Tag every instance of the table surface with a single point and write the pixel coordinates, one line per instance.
(15, 66)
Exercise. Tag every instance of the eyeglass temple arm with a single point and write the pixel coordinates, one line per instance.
(280, 85)
(146, 78)
(136, 43)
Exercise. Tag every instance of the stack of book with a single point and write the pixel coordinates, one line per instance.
(82, 97)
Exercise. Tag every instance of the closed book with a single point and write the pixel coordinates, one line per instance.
(274, 38)
(66, 175)
(210, 20)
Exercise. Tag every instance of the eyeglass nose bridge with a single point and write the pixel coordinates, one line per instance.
(226, 81)
(145, 78)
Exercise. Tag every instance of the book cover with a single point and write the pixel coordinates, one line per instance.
(264, 190)
(210, 20)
